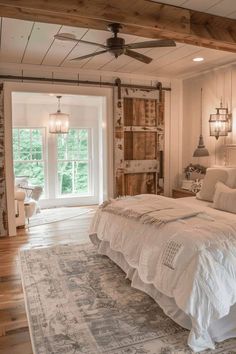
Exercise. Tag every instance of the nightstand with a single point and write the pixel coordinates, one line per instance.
(182, 193)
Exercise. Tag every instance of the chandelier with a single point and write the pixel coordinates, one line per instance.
(58, 121)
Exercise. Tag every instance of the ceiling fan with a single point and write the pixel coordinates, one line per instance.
(116, 45)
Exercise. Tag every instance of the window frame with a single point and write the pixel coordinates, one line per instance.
(44, 159)
(89, 161)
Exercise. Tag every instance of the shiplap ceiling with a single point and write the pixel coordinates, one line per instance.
(225, 8)
(33, 43)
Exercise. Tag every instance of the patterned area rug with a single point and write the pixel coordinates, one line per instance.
(80, 302)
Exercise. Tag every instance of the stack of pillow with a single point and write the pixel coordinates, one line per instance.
(219, 187)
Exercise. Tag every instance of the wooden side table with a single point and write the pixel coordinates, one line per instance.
(182, 193)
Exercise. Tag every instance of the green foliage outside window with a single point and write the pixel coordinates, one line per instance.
(28, 154)
(73, 165)
(72, 159)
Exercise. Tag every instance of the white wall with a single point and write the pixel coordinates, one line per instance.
(215, 84)
(38, 114)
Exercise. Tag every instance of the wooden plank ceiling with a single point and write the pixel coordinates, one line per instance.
(32, 42)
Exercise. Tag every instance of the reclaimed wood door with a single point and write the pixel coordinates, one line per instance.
(139, 141)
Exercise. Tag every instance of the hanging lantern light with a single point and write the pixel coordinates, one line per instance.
(220, 122)
(59, 122)
(201, 150)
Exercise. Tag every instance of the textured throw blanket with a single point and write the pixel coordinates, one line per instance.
(139, 208)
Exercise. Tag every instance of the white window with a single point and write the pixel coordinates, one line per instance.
(74, 162)
(29, 154)
(61, 164)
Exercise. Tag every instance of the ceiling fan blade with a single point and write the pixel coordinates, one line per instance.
(93, 43)
(152, 44)
(66, 37)
(138, 56)
(72, 37)
(90, 55)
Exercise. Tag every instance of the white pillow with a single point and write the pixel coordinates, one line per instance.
(224, 198)
(213, 175)
(231, 181)
(223, 174)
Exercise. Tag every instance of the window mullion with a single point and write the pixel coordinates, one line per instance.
(74, 160)
(26, 166)
(31, 144)
(18, 142)
(73, 177)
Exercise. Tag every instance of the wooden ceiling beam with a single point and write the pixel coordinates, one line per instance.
(140, 17)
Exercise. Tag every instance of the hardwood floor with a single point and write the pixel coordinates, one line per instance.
(14, 333)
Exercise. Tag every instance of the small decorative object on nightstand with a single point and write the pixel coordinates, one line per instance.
(194, 171)
(182, 193)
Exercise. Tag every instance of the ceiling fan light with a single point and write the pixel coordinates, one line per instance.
(116, 45)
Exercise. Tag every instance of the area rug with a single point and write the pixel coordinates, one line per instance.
(80, 302)
(49, 216)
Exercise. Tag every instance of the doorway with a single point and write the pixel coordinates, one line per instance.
(72, 169)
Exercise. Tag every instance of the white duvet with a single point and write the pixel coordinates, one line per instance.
(192, 259)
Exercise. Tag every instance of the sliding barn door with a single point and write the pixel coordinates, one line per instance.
(139, 141)
(3, 197)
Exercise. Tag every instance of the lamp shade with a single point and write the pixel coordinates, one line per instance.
(201, 151)
(58, 123)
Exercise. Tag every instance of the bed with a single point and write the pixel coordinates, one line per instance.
(182, 253)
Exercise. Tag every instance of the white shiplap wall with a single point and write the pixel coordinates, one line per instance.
(215, 84)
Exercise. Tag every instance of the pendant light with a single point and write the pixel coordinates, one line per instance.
(59, 122)
(201, 151)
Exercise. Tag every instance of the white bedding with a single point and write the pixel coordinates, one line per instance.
(192, 261)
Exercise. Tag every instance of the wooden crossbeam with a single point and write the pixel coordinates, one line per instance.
(143, 18)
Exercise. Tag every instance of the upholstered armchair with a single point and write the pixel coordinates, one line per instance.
(28, 206)
(19, 207)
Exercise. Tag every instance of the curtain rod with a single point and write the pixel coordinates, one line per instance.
(83, 82)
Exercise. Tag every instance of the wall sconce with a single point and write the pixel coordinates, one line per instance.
(220, 123)
(59, 122)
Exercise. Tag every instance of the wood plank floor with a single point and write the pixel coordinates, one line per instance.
(14, 333)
